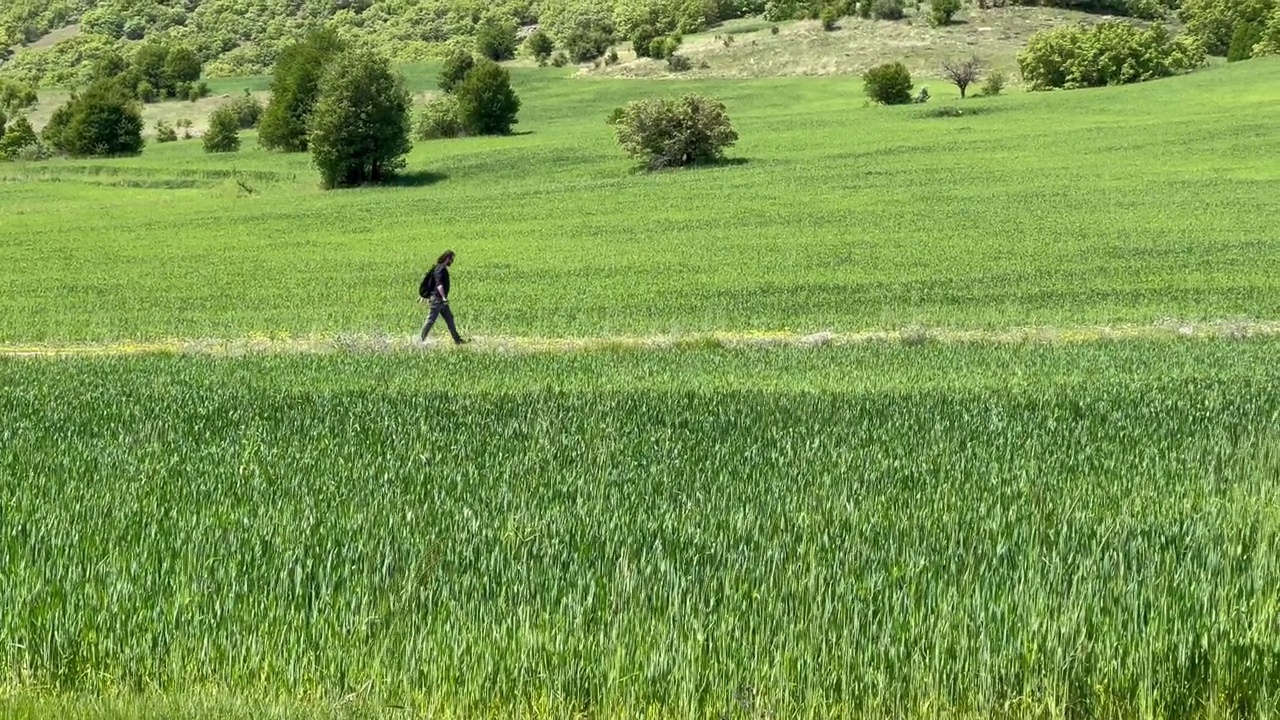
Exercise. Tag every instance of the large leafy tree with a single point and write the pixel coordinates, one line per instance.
(295, 88)
(359, 126)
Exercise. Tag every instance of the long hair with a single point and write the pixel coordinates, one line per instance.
(446, 257)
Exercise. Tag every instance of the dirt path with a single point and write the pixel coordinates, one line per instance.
(353, 343)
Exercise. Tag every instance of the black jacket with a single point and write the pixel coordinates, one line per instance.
(440, 278)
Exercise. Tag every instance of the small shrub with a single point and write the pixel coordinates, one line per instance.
(15, 96)
(829, 17)
(440, 119)
(666, 132)
(994, 84)
(889, 84)
(496, 40)
(779, 10)
(146, 92)
(559, 59)
(184, 124)
(487, 105)
(165, 132)
(889, 9)
(865, 8)
(101, 122)
(540, 46)
(198, 91)
(644, 39)
(455, 68)
(612, 57)
(774, 30)
(17, 138)
(223, 135)
(941, 12)
(615, 116)
(32, 152)
(679, 63)
(584, 45)
(248, 110)
(661, 48)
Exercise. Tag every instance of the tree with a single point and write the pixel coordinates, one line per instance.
(642, 40)
(359, 129)
(941, 12)
(181, 68)
(962, 74)
(148, 66)
(15, 96)
(223, 135)
(487, 105)
(103, 121)
(456, 66)
(1246, 36)
(1270, 42)
(18, 136)
(295, 86)
(1215, 22)
(540, 46)
(889, 84)
(667, 132)
(496, 40)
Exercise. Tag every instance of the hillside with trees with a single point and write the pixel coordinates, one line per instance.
(240, 37)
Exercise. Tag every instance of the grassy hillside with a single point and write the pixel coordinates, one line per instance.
(1017, 506)
(1122, 205)
(234, 37)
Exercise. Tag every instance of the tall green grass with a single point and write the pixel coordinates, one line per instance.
(1121, 205)
(934, 531)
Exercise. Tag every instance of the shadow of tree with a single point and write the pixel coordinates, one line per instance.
(416, 178)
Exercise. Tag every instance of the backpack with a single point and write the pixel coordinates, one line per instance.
(425, 289)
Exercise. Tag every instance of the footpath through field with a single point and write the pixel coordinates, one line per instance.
(385, 343)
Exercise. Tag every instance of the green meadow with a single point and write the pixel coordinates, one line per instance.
(934, 522)
(1120, 205)
(929, 531)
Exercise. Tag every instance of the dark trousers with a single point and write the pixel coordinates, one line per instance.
(439, 309)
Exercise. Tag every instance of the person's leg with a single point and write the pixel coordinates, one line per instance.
(431, 320)
(448, 320)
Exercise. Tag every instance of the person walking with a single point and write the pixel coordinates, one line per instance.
(435, 291)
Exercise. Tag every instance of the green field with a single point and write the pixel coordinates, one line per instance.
(1122, 205)
(1001, 532)
(892, 415)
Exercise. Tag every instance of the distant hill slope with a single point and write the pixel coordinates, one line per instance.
(241, 37)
